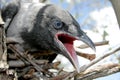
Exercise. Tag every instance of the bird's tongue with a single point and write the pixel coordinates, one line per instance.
(67, 41)
(71, 51)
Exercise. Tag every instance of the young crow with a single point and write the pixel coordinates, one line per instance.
(38, 26)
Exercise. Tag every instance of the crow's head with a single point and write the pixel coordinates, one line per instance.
(57, 29)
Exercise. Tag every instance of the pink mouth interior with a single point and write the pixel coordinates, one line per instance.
(68, 43)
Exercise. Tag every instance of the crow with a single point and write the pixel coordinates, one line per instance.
(43, 27)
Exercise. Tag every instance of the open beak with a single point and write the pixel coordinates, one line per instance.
(65, 44)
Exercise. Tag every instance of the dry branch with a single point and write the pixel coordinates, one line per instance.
(85, 55)
(19, 63)
(99, 71)
(25, 58)
(83, 68)
(89, 55)
(96, 44)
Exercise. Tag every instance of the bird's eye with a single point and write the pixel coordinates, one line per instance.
(57, 24)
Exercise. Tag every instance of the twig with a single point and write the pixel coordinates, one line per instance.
(12, 56)
(99, 71)
(25, 58)
(30, 74)
(84, 67)
(51, 65)
(88, 55)
(24, 71)
(96, 44)
(85, 55)
(19, 63)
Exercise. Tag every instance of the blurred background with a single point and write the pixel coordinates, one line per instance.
(98, 20)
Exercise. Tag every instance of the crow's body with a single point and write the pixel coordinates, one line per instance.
(37, 27)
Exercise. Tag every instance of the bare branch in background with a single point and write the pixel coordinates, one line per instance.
(89, 56)
(96, 44)
(19, 63)
(83, 68)
(85, 55)
(99, 71)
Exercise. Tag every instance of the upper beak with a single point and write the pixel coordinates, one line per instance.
(87, 40)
